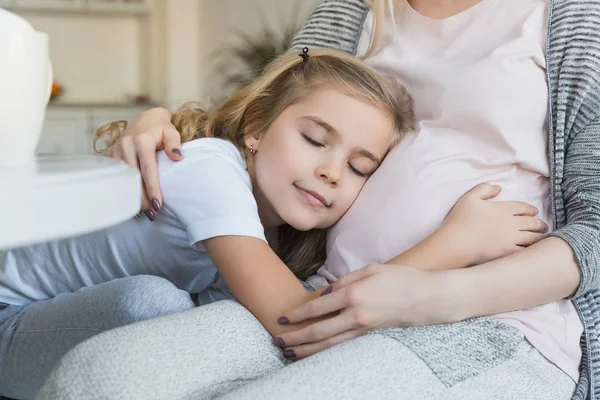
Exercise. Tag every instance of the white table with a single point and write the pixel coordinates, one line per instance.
(60, 196)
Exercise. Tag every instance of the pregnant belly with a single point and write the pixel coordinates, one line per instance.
(396, 211)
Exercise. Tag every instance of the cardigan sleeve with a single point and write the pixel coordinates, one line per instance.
(334, 24)
(581, 194)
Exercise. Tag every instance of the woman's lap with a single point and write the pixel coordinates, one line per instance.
(222, 350)
(495, 363)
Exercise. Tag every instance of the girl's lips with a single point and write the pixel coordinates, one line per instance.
(313, 198)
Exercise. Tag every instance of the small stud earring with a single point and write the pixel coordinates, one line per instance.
(252, 151)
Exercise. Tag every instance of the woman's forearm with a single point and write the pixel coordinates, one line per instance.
(439, 251)
(542, 273)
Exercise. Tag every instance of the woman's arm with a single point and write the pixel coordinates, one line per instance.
(264, 285)
(545, 272)
(562, 265)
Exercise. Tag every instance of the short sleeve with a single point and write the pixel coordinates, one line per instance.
(210, 192)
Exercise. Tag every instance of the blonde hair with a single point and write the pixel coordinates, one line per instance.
(382, 10)
(253, 109)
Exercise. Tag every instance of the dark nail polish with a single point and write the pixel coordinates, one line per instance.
(278, 342)
(289, 354)
(283, 321)
(155, 205)
(177, 151)
(138, 215)
(150, 214)
(327, 291)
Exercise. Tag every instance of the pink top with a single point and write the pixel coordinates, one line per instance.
(481, 100)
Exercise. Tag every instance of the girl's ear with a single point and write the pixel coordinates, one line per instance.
(252, 141)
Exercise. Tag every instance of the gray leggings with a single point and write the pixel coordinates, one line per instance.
(33, 338)
(222, 351)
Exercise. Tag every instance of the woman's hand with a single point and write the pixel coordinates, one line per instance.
(376, 296)
(487, 230)
(150, 131)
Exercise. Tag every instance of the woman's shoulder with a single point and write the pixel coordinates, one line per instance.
(334, 24)
(574, 62)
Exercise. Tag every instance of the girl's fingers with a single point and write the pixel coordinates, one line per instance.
(309, 349)
(172, 143)
(316, 332)
(147, 205)
(486, 191)
(126, 151)
(146, 152)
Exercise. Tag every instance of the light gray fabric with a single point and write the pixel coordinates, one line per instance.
(33, 338)
(573, 61)
(183, 356)
(361, 369)
(208, 350)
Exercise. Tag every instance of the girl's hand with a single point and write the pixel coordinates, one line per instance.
(487, 230)
(376, 296)
(150, 131)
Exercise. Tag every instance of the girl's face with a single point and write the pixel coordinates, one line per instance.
(312, 162)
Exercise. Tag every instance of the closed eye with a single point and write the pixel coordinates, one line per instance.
(312, 141)
(357, 172)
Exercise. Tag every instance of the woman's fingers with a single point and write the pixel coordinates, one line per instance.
(521, 208)
(172, 143)
(356, 276)
(318, 307)
(529, 238)
(331, 300)
(531, 224)
(316, 332)
(309, 349)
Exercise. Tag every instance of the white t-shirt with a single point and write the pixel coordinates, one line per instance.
(206, 194)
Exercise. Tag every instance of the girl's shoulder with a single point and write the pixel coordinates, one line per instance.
(203, 151)
(209, 147)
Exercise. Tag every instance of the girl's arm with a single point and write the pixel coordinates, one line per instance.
(264, 285)
(564, 264)
(257, 278)
(476, 231)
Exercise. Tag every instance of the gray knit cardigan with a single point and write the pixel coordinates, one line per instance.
(573, 63)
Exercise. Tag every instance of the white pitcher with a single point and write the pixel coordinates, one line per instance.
(25, 85)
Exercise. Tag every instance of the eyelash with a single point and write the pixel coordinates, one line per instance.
(318, 144)
(357, 172)
(312, 141)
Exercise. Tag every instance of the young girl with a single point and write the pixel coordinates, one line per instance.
(291, 152)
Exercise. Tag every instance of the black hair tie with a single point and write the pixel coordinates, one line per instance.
(304, 54)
